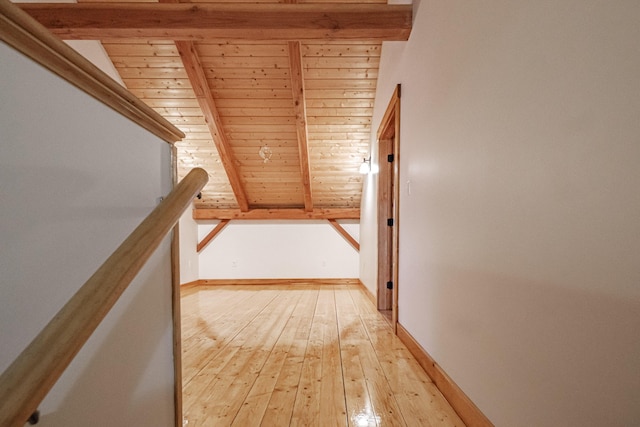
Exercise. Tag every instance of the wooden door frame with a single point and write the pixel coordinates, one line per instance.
(389, 130)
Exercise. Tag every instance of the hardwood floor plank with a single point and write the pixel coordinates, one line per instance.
(207, 311)
(238, 378)
(358, 401)
(219, 354)
(281, 403)
(306, 409)
(360, 412)
(409, 383)
(383, 400)
(332, 394)
(217, 328)
(256, 403)
(299, 355)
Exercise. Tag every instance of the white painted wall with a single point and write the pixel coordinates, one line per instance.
(189, 259)
(75, 180)
(94, 52)
(520, 241)
(279, 250)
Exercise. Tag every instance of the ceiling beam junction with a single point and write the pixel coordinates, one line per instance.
(237, 21)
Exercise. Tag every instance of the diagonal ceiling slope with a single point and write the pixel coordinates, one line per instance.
(277, 123)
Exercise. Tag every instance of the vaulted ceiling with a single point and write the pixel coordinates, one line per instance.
(275, 100)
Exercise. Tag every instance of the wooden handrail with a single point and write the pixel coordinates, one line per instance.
(30, 377)
(28, 36)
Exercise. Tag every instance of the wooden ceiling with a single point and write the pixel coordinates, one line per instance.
(275, 99)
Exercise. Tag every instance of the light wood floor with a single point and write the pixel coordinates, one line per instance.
(299, 355)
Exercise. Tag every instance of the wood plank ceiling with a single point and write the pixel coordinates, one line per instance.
(278, 124)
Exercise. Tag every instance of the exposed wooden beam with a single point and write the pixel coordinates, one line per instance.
(345, 234)
(338, 213)
(198, 80)
(300, 109)
(213, 233)
(262, 21)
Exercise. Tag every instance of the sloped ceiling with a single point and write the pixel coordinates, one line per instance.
(280, 125)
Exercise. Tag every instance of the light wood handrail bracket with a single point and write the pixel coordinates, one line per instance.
(30, 377)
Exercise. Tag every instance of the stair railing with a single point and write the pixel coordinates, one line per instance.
(26, 382)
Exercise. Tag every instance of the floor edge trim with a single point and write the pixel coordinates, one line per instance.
(459, 401)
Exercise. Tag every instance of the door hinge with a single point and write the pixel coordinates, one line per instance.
(390, 158)
(389, 285)
(390, 222)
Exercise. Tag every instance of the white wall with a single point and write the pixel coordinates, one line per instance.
(368, 261)
(279, 250)
(520, 241)
(75, 180)
(189, 259)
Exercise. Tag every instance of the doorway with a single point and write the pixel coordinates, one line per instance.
(388, 139)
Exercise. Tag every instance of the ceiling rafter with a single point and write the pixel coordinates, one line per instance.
(344, 233)
(262, 21)
(198, 79)
(213, 233)
(333, 213)
(300, 109)
(331, 75)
